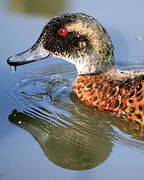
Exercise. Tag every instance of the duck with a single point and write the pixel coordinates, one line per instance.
(82, 40)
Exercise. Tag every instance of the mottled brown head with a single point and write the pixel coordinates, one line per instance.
(78, 38)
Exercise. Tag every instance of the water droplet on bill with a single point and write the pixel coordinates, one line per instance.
(13, 69)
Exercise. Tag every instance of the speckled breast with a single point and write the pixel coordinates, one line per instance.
(122, 97)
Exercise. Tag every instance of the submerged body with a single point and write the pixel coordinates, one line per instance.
(82, 40)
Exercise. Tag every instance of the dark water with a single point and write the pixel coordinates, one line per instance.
(46, 132)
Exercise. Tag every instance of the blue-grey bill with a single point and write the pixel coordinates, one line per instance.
(35, 53)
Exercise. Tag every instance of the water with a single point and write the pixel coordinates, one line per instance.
(46, 132)
(13, 69)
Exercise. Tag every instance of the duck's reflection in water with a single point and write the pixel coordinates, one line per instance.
(78, 137)
(77, 143)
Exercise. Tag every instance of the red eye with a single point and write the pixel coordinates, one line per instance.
(62, 32)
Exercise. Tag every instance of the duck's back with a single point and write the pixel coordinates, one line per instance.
(122, 97)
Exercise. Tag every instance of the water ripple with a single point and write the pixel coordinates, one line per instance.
(71, 134)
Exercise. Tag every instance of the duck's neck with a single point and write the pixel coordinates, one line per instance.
(93, 66)
(119, 75)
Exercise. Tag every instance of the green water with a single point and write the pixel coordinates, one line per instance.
(46, 132)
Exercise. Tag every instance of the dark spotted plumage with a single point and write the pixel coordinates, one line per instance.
(122, 97)
(83, 41)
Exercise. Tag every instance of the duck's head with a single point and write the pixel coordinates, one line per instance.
(77, 38)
